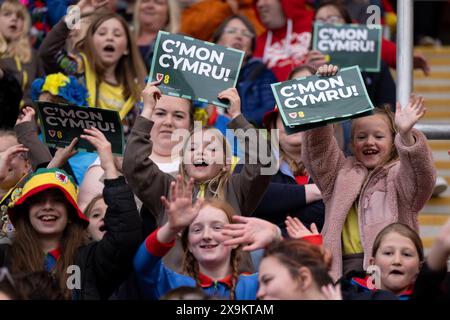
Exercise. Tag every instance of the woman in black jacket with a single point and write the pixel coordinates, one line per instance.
(50, 230)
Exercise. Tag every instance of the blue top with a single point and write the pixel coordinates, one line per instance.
(155, 279)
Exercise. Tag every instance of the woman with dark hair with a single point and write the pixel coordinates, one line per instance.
(254, 78)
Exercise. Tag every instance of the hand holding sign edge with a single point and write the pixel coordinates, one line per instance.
(232, 95)
(150, 95)
(103, 146)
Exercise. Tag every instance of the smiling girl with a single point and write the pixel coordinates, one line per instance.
(209, 262)
(205, 156)
(50, 229)
(389, 180)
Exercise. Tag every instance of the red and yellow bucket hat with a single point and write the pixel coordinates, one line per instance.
(44, 179)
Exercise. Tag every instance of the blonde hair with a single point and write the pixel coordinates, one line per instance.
(20, 48)
(215, 185)
(190, 263)
(174, 17)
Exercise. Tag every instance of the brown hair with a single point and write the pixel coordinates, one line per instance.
(22, 47)
(403, 230)
(384, 110)
(339, 7)
(91, 204)
(221, 28)
(130, 69)
(39, 285)
(215, 185)
(8, 133)
(297, 253)
(303, 67)
(190, 264)
(26, 254)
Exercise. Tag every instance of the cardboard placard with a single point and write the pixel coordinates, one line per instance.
(314, 101)
(350, 45)
(61, 123)
(194, 69)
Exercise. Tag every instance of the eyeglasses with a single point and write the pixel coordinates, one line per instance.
(243, 33)
(331, 19)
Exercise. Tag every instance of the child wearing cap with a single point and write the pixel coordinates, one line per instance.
(50, 230)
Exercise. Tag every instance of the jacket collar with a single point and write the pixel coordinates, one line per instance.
(362, 282)
(206, 281)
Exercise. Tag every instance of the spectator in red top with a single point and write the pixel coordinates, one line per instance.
(286, 42)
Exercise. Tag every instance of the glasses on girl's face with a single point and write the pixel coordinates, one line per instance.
(243, 33)
(330, 19)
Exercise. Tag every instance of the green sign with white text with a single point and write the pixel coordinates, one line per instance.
(349, 45)
(61, 123)
(194, 69)
(314, 101)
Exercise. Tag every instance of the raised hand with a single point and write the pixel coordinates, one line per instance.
(254, 233)
(179, 208)
(26, 114)
(296, 229)
(63, 154)
(103, 146)
(232, 95)
(327, 70)
(407, 117)
(150, 95)
(6, 158)
(89, 6)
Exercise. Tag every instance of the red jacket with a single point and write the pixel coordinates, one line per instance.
(286, 48)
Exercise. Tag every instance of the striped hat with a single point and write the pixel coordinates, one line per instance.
(44, 179)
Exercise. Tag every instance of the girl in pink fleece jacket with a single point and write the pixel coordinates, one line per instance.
(389, 179)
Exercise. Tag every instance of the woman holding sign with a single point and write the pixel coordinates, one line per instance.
(389, 179)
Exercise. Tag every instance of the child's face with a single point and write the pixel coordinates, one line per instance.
(96, 228)
(372, 140)
(206, 240)
(19, 165)
(398, 260)
(154, 13)
(48, 212)
(110, 41)
(276, 281)
(11, 24)
(204, 157)
(170, 113)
